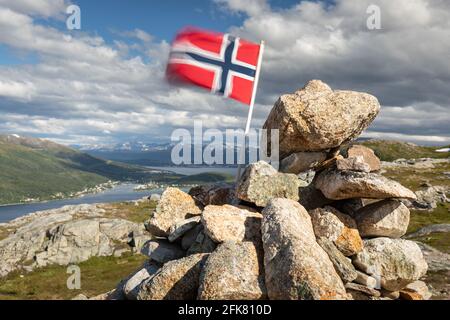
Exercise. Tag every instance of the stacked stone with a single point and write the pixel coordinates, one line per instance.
(336, 238)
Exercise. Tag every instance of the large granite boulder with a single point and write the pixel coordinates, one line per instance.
(386, 218)
(174, 206)
(234, 271)
(229, 223)
(339, 185)
(397, 262)
(260, 183)
(337, 227)
(317, 118)
(296, 267)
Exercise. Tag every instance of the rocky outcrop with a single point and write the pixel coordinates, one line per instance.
(234, 271)
(174, 206)
(338, 185)
(71, 234)
(317, 118)
(260, 183)
(387, 218)
(296, 267)
(398, 262)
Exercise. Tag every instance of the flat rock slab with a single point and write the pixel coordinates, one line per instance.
(339, 185)
(229, 223)
(234, 271)
(162, 251)
(317, 118)
(396, 262)
(296, 267)
(181, 227)
(302, 161)
(260, 183)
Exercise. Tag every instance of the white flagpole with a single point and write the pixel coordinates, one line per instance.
(252, 104)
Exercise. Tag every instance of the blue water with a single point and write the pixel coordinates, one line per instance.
(123, 192)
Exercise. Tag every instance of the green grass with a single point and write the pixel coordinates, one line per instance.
(421, 219)
(206, 177)
(392, 150)
(98, 275)
(131, 212)
(440, 241)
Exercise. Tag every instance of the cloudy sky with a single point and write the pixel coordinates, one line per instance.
(105, 83)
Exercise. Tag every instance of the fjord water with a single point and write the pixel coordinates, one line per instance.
(122, 192)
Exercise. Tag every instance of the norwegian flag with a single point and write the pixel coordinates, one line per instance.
(224, 64)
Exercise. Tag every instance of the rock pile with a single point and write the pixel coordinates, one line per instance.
(337, 238)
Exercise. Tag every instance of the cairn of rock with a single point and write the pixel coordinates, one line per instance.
(338, 237)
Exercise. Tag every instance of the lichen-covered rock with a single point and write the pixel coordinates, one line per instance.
(342, 265)
(337, 227)
(296, 267)
(418, 287)
(162, 251)
(387, 218)
(260, 183)
(338, 185)
(367, 154)
(176, 280)
(317, 118)
(398, 262)
(302, 161)
(174, 206)
(189, 238)
(229, 223)
(234, 271)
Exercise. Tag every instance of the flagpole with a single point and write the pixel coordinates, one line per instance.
(252, 104)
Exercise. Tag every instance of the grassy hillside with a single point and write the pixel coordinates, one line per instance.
(388, 150)
(35, 168)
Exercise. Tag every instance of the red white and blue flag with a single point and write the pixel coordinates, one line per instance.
(222, 63)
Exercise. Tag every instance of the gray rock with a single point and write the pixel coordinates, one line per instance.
(302, 161)
(343, 267)
(312, 198)
(162, 251)
(387, 218)
(260, 183)
(353, 164)
(317, 118)
(189, 238)
(174, 206)
(176, 280)
(398, 262)
(296, 267)
(363, 289)
(233, 272)
(131, 285)
(181, 227)
(338, 185)
(202, 244)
